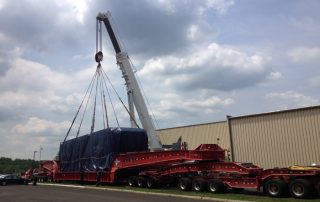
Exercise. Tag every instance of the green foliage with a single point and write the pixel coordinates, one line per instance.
(8, 166)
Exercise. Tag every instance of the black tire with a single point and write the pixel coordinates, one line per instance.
(301, 188)
(141, 182)
(237, 189)
(35, 180)
(199, 185)
(151, 183)
(318, 188)
(3, 183)
(132, 182)
(216, 186)
(185, 184)
(276, 188)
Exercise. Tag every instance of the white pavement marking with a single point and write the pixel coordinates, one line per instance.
(142, 192)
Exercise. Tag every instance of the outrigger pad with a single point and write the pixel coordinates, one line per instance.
(96, 151)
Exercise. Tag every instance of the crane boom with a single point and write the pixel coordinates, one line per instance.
(133, 88)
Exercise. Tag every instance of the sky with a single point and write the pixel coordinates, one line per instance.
(196, 61)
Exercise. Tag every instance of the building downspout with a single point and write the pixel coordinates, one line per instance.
(231, 139)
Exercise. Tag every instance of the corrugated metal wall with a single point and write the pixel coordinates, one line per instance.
(197, 134)
(277, 139)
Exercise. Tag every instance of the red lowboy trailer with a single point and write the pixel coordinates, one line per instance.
(202, 169)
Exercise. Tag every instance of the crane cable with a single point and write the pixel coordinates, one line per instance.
(95, 101)
(85, 109)
(99, 79)
(79, 108)
(109, 96)
(135, 122)
(104, 107)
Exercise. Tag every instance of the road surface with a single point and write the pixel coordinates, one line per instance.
(56, 193)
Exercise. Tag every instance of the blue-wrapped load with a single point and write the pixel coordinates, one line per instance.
(96, 151)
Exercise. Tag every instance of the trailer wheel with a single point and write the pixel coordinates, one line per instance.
(301, 188)
(141, 182)
(185, 184)
(276, 188)
(199, 185)
(132, 181)
(318, 188)
(237, 190)
(216, 186)
(151, 183)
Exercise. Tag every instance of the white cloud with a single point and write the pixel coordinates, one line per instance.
(170, 6)
(212, 67)
(188, 78)
(293, 98)
(305, 54)
(214, 56)
(30, 85)
(166, 5)
(2, 4)
(36, 125)
(25, 137)
(173, 101)
(76, 10)
(192, 31)
(173, 106)
(273, 76)
(221, 6)
(32, 76)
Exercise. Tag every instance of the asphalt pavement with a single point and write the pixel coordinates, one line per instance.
(79, 194)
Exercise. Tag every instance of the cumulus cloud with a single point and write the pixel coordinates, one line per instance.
(220, 5)
(171, 6)
(196, 60)
(171, 25)
(43, 26)
(305, 54)
(28, 86)
(200, 104)
(27, 136)
(273, 76)
(212, 67)
(191, 109)
(293, 99)
(32, 76)
(36, 125)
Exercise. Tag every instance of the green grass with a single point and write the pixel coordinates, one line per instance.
(245, 195)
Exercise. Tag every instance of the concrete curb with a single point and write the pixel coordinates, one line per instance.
(142, 192)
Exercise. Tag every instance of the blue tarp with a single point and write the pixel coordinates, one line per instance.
(97, 150)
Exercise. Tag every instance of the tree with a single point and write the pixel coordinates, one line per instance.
(8, 166)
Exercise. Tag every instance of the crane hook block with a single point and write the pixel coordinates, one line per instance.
(99, 56)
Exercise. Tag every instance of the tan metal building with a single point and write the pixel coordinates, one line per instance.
(282, 138)
(195, 135)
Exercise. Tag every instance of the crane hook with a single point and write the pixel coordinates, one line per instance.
(99, 57)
